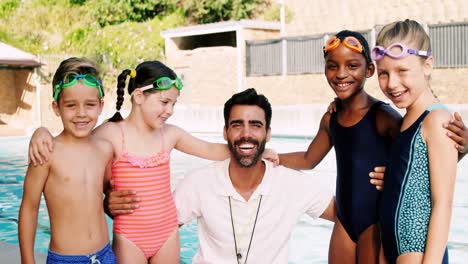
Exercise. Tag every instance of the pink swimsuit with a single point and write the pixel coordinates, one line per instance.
(150, 225)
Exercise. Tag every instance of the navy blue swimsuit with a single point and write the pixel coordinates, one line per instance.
(406, 199)
(358, 149)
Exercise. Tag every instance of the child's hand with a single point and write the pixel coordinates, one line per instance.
(377, 177)
(458, 132)
(271, 155)
(332, 107)
(40, 146)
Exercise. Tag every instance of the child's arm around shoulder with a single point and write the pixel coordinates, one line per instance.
(442, 170)
(185, 142)
(34, 183)
(41, 143)
(317, 150)
(388, 121)
(109, 131)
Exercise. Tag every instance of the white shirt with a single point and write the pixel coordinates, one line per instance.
(286, 195)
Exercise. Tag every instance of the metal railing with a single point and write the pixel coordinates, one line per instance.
(304, 53)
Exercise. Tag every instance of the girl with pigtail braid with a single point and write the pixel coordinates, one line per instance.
(120, 95)
(142, 143)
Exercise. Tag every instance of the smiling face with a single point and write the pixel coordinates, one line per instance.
(79, 107)
(346, 71)
(246, 134)
(404, 80)
(157, 107)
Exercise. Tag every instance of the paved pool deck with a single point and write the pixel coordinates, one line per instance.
(10, 254)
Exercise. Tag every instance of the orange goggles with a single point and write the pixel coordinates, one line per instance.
(350, 42)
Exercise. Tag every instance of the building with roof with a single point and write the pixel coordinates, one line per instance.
(19, 91)
(210, 58)
(287, 66)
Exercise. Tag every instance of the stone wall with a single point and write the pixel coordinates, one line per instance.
(209, 74)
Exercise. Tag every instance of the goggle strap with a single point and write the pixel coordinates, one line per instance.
(144, 88)
(332, 43)
(424, 53)
(177, 83)
(94, 83)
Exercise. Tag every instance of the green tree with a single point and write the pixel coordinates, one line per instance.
(114, 12)
(209, 11)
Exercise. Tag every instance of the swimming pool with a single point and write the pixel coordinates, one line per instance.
(309, 242)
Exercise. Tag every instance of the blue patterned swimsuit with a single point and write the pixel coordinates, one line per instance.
(406, 200)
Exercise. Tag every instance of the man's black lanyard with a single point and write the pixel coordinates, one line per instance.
(238, 254)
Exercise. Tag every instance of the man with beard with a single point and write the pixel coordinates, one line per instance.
(245, 207)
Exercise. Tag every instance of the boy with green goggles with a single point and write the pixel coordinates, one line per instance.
(72, 79)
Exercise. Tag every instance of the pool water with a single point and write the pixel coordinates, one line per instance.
(309, 241)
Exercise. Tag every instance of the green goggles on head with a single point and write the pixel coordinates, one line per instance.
(164, 83)
(72, 79)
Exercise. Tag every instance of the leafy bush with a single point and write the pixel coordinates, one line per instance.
(209, 11)
(117, 33)
(7, 7)
(114, 12)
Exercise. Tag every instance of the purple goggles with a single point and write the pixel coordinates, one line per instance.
(396, 51)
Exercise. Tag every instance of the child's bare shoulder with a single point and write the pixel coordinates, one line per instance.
(438, 116)
(61, 149)
(59, 145)
(432, 126)
(325, 121)
(168, 128)
(173, 132)
(103, 145)
(107, 129)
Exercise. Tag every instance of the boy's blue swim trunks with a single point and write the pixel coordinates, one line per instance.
(103, 256)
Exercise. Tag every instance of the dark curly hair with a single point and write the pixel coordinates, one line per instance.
(248, 97)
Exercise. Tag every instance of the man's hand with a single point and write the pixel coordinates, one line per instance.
(120, 202)
(377, 177)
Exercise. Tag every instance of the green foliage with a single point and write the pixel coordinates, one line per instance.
(118, 34)
(77, 2)
(124, 45)
(209, 11)
(273, 13)
(115, 11)
(7, 7)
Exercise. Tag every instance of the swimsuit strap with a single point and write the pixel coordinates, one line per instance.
(376, 105)
(437, 106)
(123, 138)
(163, 149)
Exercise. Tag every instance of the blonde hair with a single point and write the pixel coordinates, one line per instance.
(408, 31)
